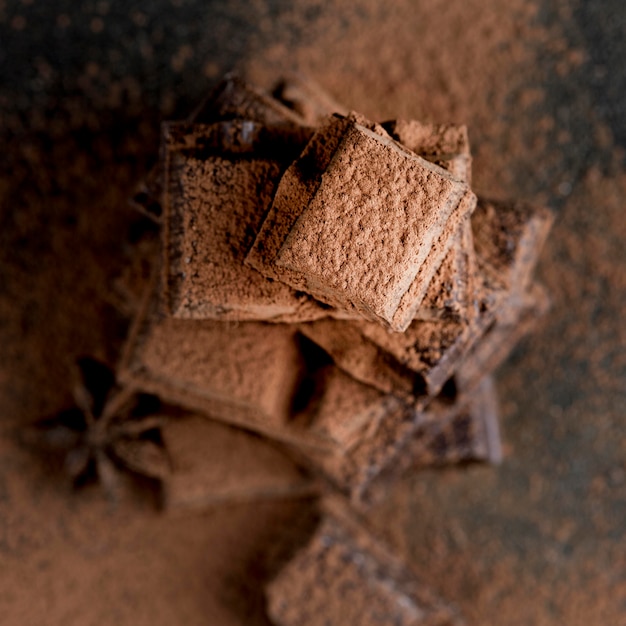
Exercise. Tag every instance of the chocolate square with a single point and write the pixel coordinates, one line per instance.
(244, 374)
(357, 236)
(219, 181)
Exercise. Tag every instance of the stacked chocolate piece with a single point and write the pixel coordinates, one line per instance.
(333, 296)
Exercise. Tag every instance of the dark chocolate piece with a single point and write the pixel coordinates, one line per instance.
(412, 364)
(231, 99)
(447, 431)
(344, 576)
(508, 237)
(308, 99)
(245, 374)
(519, 317)
(234, 98)
(464, 431)
(350, 240)
(220, 179)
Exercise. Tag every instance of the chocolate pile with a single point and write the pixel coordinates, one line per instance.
(333, 285)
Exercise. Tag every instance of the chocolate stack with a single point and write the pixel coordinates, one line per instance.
(334, 297)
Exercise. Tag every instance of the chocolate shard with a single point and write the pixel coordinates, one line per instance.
(468, 430)
(352, 471)
(212, 464)
(447, 145)
(308, 99)
(233, 98)
(408, 438)
(147, 197)
(220, 179)
(513, 322)
(344, 576)
(447, 433)
(350, 242)
(508, 237)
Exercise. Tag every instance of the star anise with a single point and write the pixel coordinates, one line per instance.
(109, 429)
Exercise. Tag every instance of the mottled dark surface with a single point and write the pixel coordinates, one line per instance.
(542, 87)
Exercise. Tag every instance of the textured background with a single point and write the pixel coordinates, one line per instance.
(541, 85)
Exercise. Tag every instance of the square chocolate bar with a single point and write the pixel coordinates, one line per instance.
(358, 235)
(219, 182)
(245, 374)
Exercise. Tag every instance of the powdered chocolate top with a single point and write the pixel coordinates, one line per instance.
(508, 238)
(370, 225)
(446, 145)
(220, 179)
(296, 186)
(245, 373)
